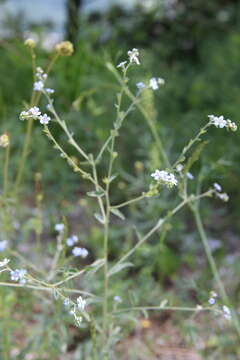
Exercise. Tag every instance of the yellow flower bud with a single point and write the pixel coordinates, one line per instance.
(64, 48)
(4, 140)
(30, 43)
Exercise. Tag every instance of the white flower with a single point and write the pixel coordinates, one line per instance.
(155, 82)
(218, 121)
(49, 91)
(224, 197)
(3, 245)
(117, 299)
(165, 177)
(77, 251)
(4, 262)
(211, 301)
(140, 85)
(19, 275)
(66, 302)
(38, 85)
(133, 56)
(72, 240)
(59, 227)
(81, 303)
(34, 111)
(122, 64)
(217, 187)
(44, 119)
(190, 176)
(179, 167)
(226, 312)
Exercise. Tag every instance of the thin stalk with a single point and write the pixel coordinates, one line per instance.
(5, 172)
(213, 266)
(128, 202)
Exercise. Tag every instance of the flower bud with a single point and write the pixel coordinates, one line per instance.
(30, 43)
(4, 140)
(64, 48)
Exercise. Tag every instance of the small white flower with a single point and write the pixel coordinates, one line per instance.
(81, 303)
(34, 111)
(179, 167)
(211, 301)
(49, 91)
(117, 299)
(224, 197)
(217, 187)
(122, 64)
(4, 262)
(44, 119)
(140, 85)
(133, 56)
(77, 251)
(59, 227)
(38, 85)
(190, 176)
(72, 240)
(226, 312)
(155, 82)
(66, 302)
(3, 245)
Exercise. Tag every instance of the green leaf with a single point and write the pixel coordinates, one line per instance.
(118, 267)
(195, 156)
(99, 218)
(98, 193)
(117, 213)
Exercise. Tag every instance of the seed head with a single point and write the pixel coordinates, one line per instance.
(64, 48)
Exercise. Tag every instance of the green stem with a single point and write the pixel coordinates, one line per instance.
(213, 266)
(5, 172)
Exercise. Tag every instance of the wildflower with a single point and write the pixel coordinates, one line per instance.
(165, 177)
(66, 302)
(224, 197)
(44, 119)
(133, 56)
(3, 245)
(59, 227)
(179, 167)
(77, 251)
(38, 85)
(72, 240)
(64, 48)
(49, 91)
(155, 82)
(211, 301)
(4, 140)
(140, 85)
(226, 312)
(30, 43)
(4, 262)
(34, 111)
(19, 275)
(122, 64)
(217, 187)
(117, 299)
(190, 176)
(81, 303)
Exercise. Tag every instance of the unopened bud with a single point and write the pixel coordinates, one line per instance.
(64, 48)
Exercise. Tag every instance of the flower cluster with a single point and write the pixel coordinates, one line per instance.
(35, 113)
(78, 251)
(78, 307)
(220, 122)
(4, 262)
(19, 275)
(133, 56)
(213, 297)
(227, 312)
(154, 84)
(165, 178)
